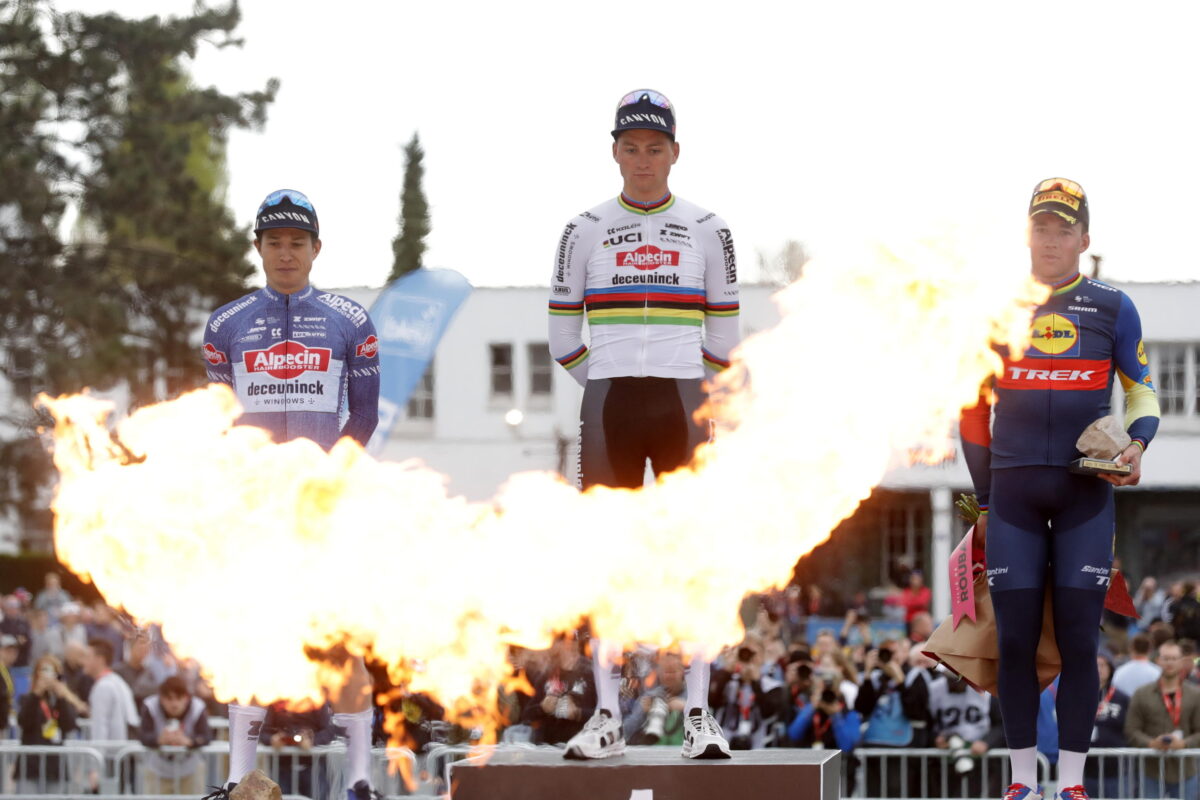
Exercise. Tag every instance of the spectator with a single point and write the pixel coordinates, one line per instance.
(1185, 614)
(1101, 776)
(299, 774)
(967, 723)
(69, 629)
(173, 718)
(39, 630)
(920, 627)
(74, 672)
(1149, 602)
(565, 693)
(856, 630)
(1138, 670)
(15, 625)
(103, 625)
(52, 597)
(47, 716)
(1165, 716)
(8, 693)
(825, 723)
(657, 716)
(916, 597)
(111, 708)
(1160, 632)
(918, 685)
(135, 670)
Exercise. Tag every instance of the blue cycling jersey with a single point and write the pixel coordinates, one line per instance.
(1085, 335)
(297, 362)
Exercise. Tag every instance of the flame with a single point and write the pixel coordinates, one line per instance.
(247, 550)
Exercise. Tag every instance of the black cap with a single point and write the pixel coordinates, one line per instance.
(1060, 196)
(644, 109)
(287, 208)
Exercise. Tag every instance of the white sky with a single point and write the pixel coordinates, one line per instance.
(824, 122)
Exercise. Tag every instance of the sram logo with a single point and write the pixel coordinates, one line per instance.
(287, 359)
(648, 257)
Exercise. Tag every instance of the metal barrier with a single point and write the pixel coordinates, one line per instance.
(928, 772)
(124, 768)
(1138, 772)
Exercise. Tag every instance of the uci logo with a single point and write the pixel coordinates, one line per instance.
(1056, 334)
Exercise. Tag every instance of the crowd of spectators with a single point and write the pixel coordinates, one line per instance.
(810, 672)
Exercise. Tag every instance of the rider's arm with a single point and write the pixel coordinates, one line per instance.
(567, 285)
(215, 351)
(1141, 401)
(721, 325)
(975, 430)
(362, 383)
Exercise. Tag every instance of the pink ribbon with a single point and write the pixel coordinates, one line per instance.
(962, 583)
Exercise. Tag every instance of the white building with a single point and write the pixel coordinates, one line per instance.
(495, 404)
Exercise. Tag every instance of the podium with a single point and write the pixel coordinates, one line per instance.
(513, 772)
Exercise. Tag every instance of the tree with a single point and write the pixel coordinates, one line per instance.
(97, 113)
(786, 265)
(409, 246)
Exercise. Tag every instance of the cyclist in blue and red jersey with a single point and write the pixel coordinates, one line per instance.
(1042, 523)
(300, 362)
(656, 278)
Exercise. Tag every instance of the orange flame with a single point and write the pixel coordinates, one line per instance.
(247, 550)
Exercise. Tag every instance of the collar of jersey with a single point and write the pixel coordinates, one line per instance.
(303, 294)
(657, 207)
(1067, 284)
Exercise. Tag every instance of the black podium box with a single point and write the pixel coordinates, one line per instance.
(524, 773)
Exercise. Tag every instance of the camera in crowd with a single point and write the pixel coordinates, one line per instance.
(960, 755)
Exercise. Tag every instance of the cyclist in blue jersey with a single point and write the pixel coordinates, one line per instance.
(298, 360)
(1042, 524)
(656, 278)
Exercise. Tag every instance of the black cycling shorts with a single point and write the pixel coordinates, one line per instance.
(624, 421)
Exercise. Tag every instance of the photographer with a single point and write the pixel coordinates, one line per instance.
(565, 693)
(824, 723)
(300, 729)
(747, 701)
(657, 715)
(967, 723)
(885, 700)
(47, 715)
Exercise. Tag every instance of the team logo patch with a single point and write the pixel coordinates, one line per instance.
(214, 356)
(1141, 354)
(648, 257)
(1056, 335)
(367, 348)
(287, 359)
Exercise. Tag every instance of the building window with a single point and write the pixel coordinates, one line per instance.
(501, 369)
(540, 371)
(420, 402)
(1175, 367)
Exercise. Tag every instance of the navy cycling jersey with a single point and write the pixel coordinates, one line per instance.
(1085, 335)
(297, 362)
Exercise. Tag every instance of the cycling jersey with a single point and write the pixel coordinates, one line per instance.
(296, 361)
(648, 279)
(1083, 335)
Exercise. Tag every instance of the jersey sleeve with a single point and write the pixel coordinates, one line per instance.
(216, 351)
(722, 330)
(975, 431)
(567, 286)
(1129, 355)
(362, 383)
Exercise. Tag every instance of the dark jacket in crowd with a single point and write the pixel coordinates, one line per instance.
(44, 719)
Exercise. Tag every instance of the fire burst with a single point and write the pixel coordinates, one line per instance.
(247, 550)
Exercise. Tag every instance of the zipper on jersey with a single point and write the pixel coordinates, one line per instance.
(649, 230)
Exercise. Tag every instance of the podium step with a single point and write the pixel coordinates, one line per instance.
(646, 773)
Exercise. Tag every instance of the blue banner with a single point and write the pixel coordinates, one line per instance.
(410, 316)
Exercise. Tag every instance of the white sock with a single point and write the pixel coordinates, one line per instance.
(1070, 769)
(245, 723)
(608, 684)
(358, 745)
(1024, 766)
(695, 678)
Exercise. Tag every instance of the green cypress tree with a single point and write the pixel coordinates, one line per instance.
(409, 246)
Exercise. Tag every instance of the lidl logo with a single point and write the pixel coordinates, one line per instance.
(1056, 335)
